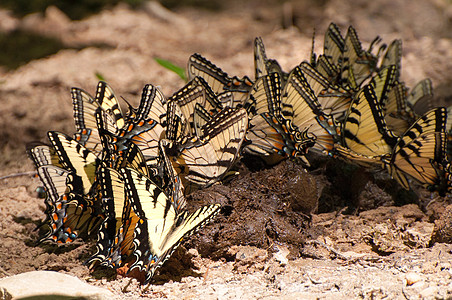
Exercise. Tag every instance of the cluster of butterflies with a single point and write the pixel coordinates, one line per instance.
(124, 177)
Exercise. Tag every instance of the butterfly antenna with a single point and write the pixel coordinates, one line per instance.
(313, 56)
(32, 173)
(132, 111)
(376, 41)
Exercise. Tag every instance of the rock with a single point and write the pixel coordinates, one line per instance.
(56, 17)
(49, 284)
(248, 254)
(386, 237)
(429, 293)
(418, 235)
(412, 278)
(8, 22)
(442, 233)
(248, 258)
(52, 23)
(281, 255)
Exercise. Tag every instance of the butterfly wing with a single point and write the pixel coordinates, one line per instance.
(42, 155)
(75, 158)
(334, 44)
(152, 105)
(146, 135)
(160, 229)
(357, 64)
(393, 56)
(210, 157)
(54, 180)
(260, 58)
(334, 100)
(305, 111)
(265, 96)
(364, 130)
(108, 101)
(420, 150)
(217, 79)
(383, 82)
(115, 237)
(420, 97)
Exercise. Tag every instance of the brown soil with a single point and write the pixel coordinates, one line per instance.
(347, 232)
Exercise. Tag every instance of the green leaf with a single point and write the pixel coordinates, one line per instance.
(100, 76)
(172, 67)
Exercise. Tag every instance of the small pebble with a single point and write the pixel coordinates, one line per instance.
(412, 278)
(429, 292)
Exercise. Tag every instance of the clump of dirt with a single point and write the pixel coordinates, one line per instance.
(442, 232)
(259, 209)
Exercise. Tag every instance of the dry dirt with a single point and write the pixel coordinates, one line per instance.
(335, 231)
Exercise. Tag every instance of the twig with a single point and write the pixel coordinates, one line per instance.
(18, 174)
(404, 294)
(312, 280)
(124, 289)
(4, 272)
(206, 274)
(331, 249)
(146, 288)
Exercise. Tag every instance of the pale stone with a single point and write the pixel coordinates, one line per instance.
(281, 255)
(429, 292)
(50, 284)
(412, 278)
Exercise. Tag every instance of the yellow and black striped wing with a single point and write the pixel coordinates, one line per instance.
(115, 237)
(264, 66)
(432, 121)
(69, 214)
(172, 183)
(268, 135)
(393, 56)
(225, 132)
(398, 114)
(85, 123)
(328, 70)
(54, 180)
(75, 158)
(195, 92)
(334, 100)
(200, 118)
(265, 96)
(382, 83)
(260, 58)
(416, 159)
(421, 150)
(145, 135)
(152, 105)
(357, 64)
(305, 111)
(208, 158)
(42, 155)
(420, 97)
(364, 130)
(217, 79)
(159, 229)
(113, 198)
(85, 108)
(334, 44)
(108, 101)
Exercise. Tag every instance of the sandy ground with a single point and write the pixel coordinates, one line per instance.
(371, 251)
